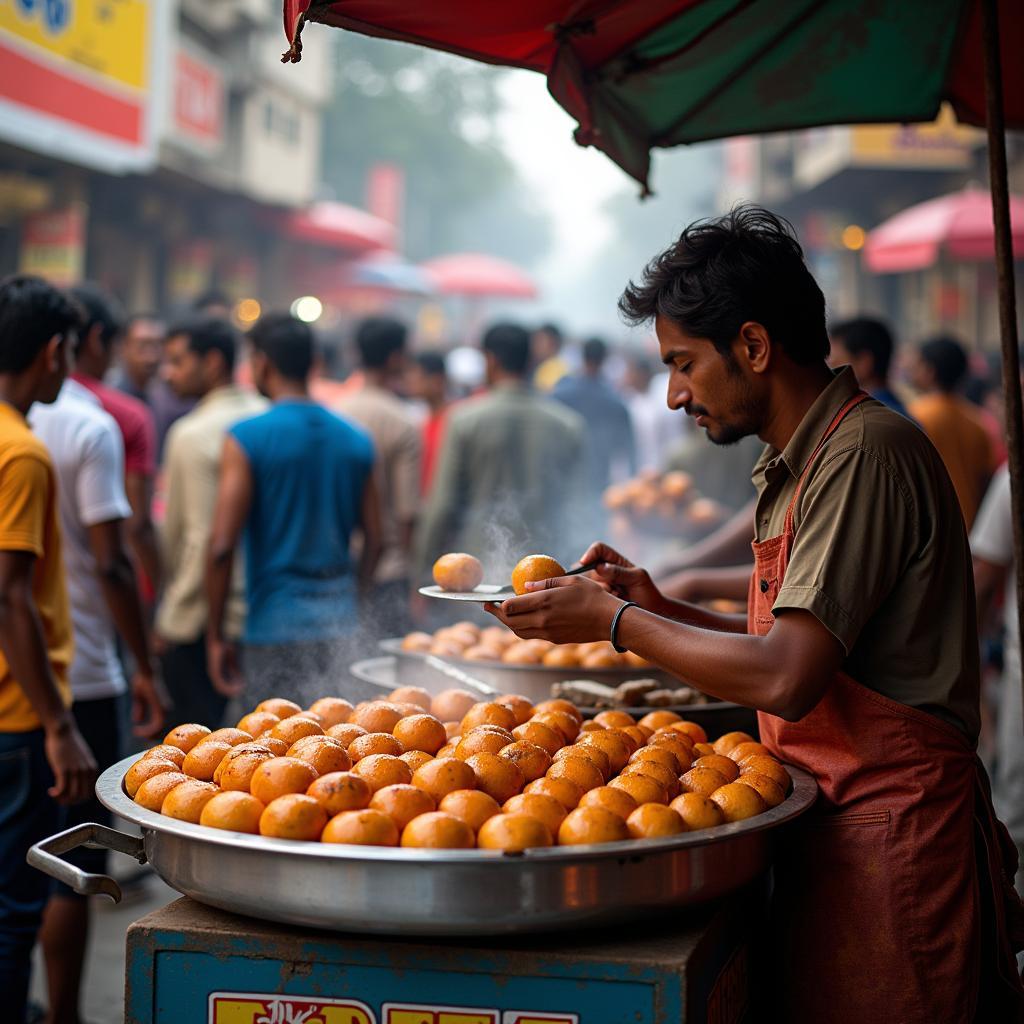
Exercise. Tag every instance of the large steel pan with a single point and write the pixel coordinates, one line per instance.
(391, 891)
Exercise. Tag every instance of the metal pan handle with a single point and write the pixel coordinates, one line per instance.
(45, 856)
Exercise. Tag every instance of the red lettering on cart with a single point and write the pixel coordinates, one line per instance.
(727, 1003)
(416, 1013)
(271, 1008)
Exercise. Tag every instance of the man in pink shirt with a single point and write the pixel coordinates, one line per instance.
(101, 326)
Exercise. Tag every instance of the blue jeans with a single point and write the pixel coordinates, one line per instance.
(27, 814)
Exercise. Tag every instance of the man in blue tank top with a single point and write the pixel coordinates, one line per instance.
(296, 482)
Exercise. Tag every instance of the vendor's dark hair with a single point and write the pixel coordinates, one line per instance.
(725, 271)
(286, 342)
(432, 363)
(948, 359)
(510, 345)
(208, 334)
(32, 311)
(378, 338)
(866, 334)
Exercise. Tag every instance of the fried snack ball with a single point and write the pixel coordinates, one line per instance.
(519, 706)
(451, 705)
(658, 719)
(448, 750)
(534, 568)
(377, 715)
(458, 571)
(602, 659)
(697, 811)
(543, 735)
(720, 763)
(323, 753)
(737, 801)
(481, 740)
(257, 722)
(654, 821)
(411, 695)
(766, 766)
(232, 737)
(703, 749)
(488, 713)
(565, 791)
(496, 776)
(562, 656)
(143, 770)
(561, 721)
(152, 792)
(167, 752)
(187, 800)
(402, 803)
(593, 754)
(728, 740)
(513, 833)
(481, 652)
(661, 755)
(614, 719)
(332, 711)
(277, 747)
(438, 831)
(237, 766)
(374, 743)
(294, 728)
(233, 811)
(185, 737)
(613, 743)
(742, 751)
(531, 760)
(280, 706)
(692, 729)
(473, 806)
(340, 791)
(281, 775)
(365, 827)
(583, 772)
(382, 770)
(679, 746)
(444, 775)
(202, 760)
(591, 825)
(415, 759)
(536, 805)
(768, 789)
(611, 798)
(346, 732)
(559, 704)
(522, 653)
(667, 779)
(417, 642)
(421, 732)
(702, 780)
(642, 788)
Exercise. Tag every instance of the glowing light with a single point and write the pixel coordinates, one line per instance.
(248, 311)
(854, 237)
(308, 309)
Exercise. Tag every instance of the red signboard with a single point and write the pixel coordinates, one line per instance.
(198, 100)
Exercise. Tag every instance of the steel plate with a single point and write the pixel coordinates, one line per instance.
(486, 593)
(383, 890)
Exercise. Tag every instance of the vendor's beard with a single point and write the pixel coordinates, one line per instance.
(746, 419)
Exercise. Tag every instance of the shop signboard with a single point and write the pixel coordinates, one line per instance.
(942, 145)
(81, 79)
(53, 244)
(197, 102)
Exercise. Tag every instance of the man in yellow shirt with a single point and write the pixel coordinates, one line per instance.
(43, 758)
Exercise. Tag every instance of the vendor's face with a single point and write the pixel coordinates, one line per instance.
(183, 368)
(716, 389)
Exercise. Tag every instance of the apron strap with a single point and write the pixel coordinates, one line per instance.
(848, 406)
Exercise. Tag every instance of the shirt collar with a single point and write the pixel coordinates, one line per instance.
(217, 393)
(816, 421)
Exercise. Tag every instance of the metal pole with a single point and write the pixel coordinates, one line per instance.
(1004, 276)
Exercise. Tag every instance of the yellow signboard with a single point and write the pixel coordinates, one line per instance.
(107, 38)
(943, 144)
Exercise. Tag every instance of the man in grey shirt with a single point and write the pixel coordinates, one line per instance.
(509, 480)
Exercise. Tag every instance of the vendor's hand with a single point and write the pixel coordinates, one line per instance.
(71, 760)
(222, 664)
(565, 609)
(619, 576)
(148, 705)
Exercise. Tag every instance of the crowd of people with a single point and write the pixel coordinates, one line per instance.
(185, 529)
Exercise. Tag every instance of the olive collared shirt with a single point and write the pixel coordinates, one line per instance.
(880, 555)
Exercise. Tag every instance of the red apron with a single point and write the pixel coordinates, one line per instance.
(894, 899)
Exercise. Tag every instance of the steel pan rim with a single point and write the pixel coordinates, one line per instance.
(110, 792)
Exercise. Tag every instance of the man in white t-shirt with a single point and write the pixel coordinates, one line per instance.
(992, 550)
(88, 454)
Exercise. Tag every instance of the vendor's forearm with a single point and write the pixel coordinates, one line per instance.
(218, 585)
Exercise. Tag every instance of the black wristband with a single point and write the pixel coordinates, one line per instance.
(613, 633)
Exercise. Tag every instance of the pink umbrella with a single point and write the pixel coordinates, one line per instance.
(475, 274)
(958, 225)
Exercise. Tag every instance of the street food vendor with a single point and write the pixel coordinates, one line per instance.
(893, 900)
